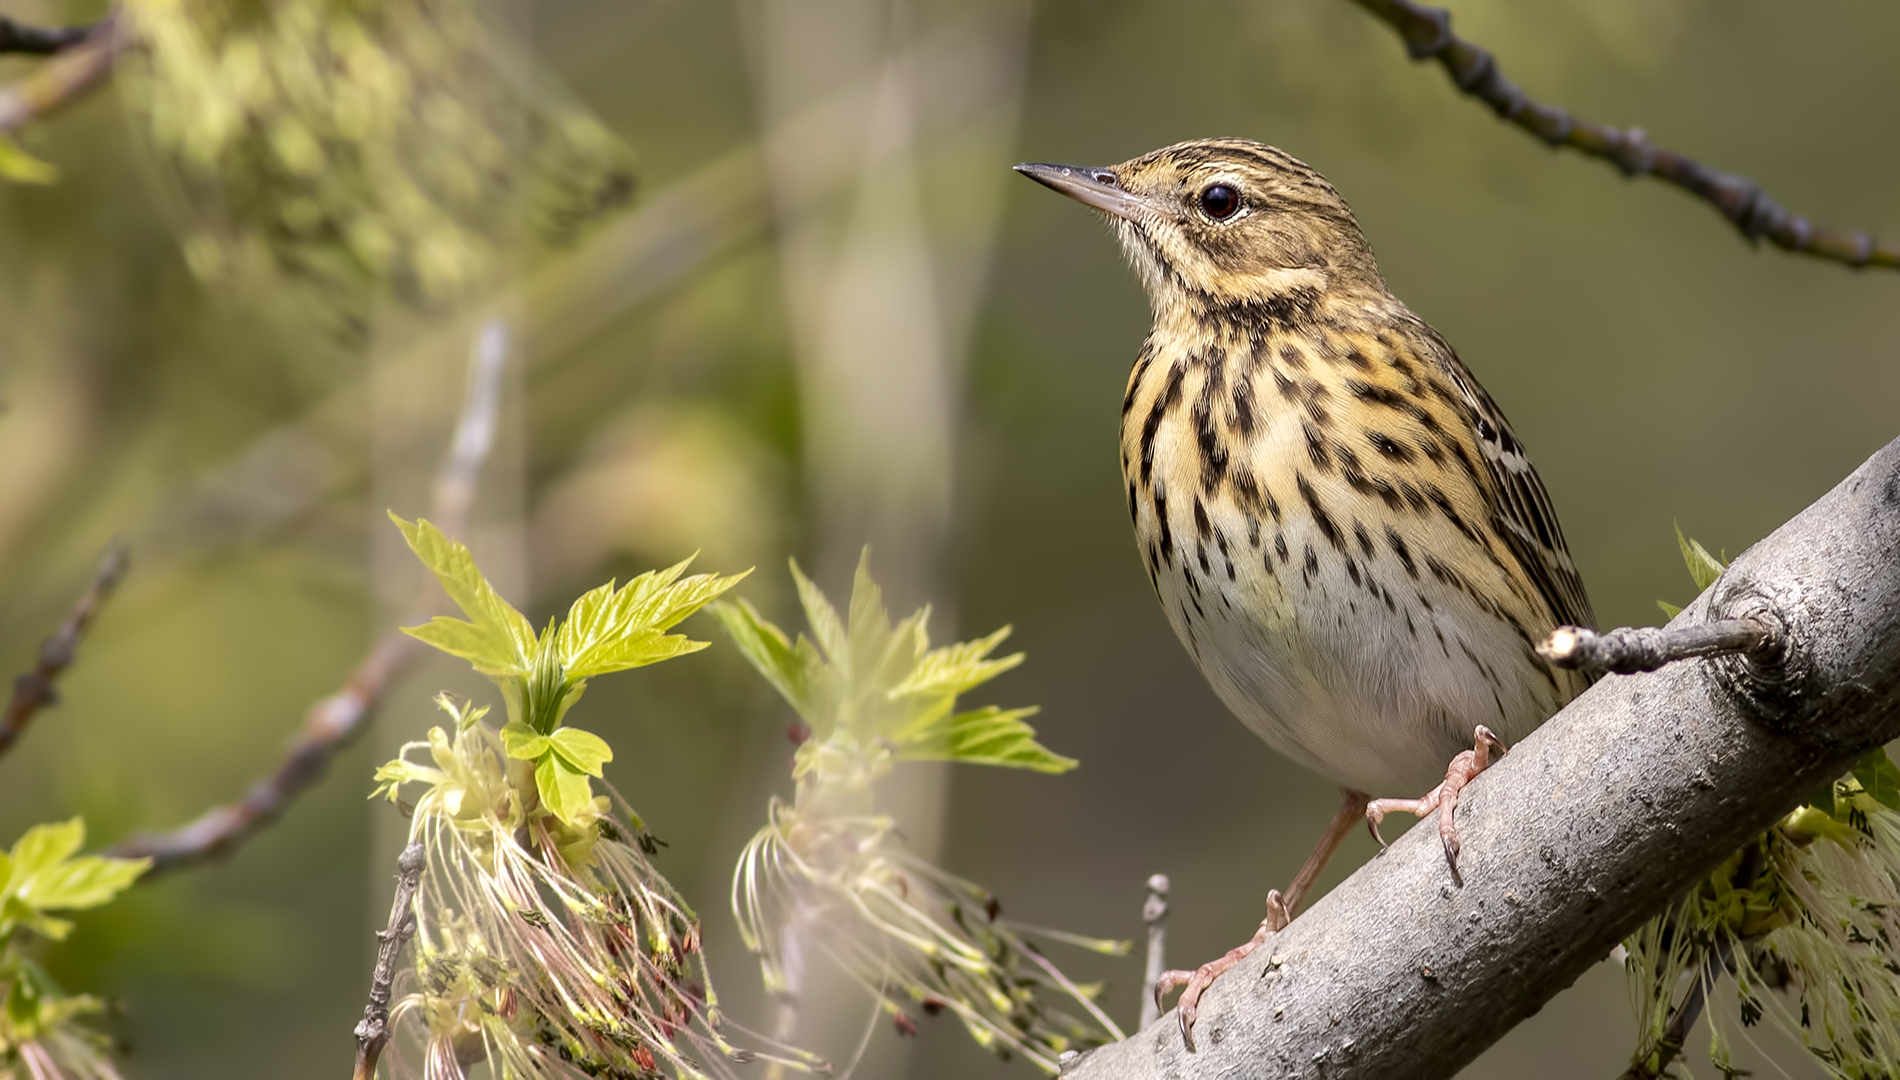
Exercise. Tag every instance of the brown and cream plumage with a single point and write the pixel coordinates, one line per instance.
(1338, 520)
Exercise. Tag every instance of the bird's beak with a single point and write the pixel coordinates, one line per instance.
(1092, 187)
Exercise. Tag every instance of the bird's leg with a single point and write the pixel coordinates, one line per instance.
(1280, 910)
(1444, 798)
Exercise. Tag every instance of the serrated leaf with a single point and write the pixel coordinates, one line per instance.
(85, 882)
(789, 668)
(954, 669)
(584, 750)
(23, 168)
(826, 628)
(1703, 567)
(498, 640)
(988, 736)
(523, 743)
(608, 630)
(1879, 777)
(564, 789)
(43, 845)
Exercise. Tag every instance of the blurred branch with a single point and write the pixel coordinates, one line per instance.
(35, 690)
(75, 68)
(334, 722)
(1626, 797)
(16, 37)
(1427, 35)
(372, 1032)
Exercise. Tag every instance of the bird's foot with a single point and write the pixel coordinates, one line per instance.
(1464, 768)
(1198, 980)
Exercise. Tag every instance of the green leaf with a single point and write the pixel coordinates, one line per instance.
(608, 630)
(497, 639)
(1703, 567)
(23, 168)
(1668, 609)
(85, 882)
(791, 669)
(954, 669)
(825, 625)
(43, 875)
(523, 742)
(42, 846)
(1879, 778)
(564, 789)
(584, 750)
(988, 736)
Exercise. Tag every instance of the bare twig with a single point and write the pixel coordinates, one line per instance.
(17, 37)
(1682, 1019)
(1628, 796)
(1154, 912)
(1633, 649)
(74, 69)
(35, 690)
(372, 1032)
(1427, 35)
(334, 722)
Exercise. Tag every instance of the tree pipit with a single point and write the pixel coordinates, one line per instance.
(1337, 519)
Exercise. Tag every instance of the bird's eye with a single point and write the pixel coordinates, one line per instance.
(1219, 201)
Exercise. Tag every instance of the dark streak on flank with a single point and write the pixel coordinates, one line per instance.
(1169, 396)
(1324, 520)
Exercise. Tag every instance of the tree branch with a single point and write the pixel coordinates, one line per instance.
(334, 722)
(1634, 649)
(372, 1032)
(75, 69)
(35, 690)
(1427, 35)
(17, 37)
(1628, 796)
(1154, 912)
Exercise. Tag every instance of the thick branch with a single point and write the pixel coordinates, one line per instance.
(36, 689)
(1625, 798)
(1427, 34)
(372, 1032)
(331, 724)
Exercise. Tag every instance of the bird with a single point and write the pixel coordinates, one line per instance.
(1341, 526)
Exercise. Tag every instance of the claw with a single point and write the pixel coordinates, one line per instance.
(1444, 798)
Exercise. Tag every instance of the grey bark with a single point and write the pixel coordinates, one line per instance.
(1620, 801)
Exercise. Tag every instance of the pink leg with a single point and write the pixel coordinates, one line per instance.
(1280, 911)
(1444, 798)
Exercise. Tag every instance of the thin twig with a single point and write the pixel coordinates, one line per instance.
(1427, 35)
(17, 37)
(1682, 1020)
(372, 1032)
(335, 721)
(1154, 912)
(74, 70)
(1645, 648)
(35, 690)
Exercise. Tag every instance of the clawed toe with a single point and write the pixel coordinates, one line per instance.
(1464, 768)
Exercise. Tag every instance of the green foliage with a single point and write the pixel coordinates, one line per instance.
(44, 873)
(543, 675)
(1809, 910)
(23, 168)
(874, 692)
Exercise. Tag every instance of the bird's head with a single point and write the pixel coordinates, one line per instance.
(1219, 222)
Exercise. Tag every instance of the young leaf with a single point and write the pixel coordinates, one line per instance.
(609, 631)
(523, 742)
(989, 736)
(825, 625)
(1879, 778)
(1668, 609)
(497, 639)
(564, 789)
(954, 669)
(584, 750)
(1703, 567)
(791, 669)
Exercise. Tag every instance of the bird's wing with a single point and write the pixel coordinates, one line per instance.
(1521, 508)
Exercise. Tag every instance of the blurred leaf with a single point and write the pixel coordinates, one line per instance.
(1668, 609)
(988, 736)
(956, 668)
(43, 875)
(523, 742)
(790, 668)
(498, 640)
(1879, 778)
(1703, 567)
(584, 750)
(23, 168)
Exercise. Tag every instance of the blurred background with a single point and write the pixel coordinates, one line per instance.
(831, 316)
